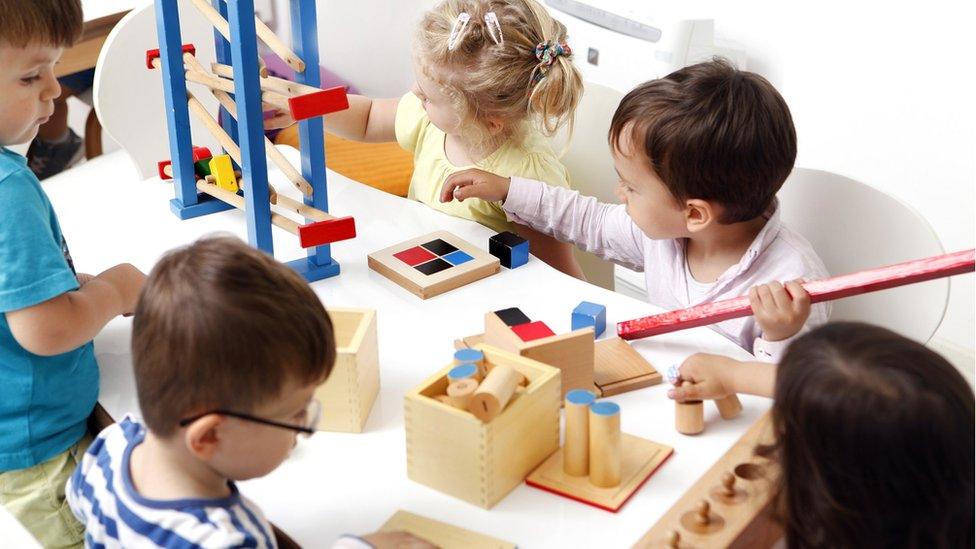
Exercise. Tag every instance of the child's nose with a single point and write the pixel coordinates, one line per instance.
(52, 89)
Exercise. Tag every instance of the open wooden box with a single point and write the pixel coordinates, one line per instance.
(454, 452)
(348, 395)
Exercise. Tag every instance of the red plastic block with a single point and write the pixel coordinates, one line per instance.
(414, 256)
(316, 104)
(152, 55)
(828, 289)
(327, 232)
(201, 153)
(159, 167)
(530, 331)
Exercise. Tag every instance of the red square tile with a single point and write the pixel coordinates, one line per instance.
(414, 256)
(531, 331)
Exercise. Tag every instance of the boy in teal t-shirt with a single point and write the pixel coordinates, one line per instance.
(48, 313)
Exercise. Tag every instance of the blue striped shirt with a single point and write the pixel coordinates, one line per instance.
(102, 496)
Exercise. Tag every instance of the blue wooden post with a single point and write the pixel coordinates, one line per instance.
(250, 125)
(187, 203)
(305, 43)
(222, 51)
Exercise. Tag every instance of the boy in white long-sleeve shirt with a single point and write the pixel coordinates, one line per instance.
(700, 155)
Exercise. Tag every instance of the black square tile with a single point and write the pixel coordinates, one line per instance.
(512, 317)
(439, 247)
(433, 266)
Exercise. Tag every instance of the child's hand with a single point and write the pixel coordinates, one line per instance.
(475, 183)
(384, 540)
(780, 311)
(277, 119)
(127, 281)
(707, 376)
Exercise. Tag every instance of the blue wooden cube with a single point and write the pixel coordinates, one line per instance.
(510, 248)
(590, 314)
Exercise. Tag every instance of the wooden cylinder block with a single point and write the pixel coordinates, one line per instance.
(576, 448)
(494, 393)
(464, 371)
(689, 416)
(606, 457)
(473, 356)
(729, 407)
(460, 392)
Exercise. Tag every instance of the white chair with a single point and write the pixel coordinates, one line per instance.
(128, 97)
(590, 164)
(853, 227)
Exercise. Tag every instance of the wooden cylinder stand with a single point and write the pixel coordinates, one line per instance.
(576, 448)
(606, 457)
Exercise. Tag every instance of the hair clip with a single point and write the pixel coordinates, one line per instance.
(457, 31)
(491, 22)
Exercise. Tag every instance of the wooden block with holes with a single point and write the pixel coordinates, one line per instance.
(347, 396)
(640, 458)
(717, 513)
(432, 264)
(452, 451)
(618, 368)
(441, 534)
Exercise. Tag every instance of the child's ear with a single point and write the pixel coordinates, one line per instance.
(201, 436)
(699, 214)
(495, 125)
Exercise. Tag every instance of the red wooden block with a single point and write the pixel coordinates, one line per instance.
(530, 331)
(316, 104)
(838, 287)
(414, 256)
(160, 166)
(201, 153)
(152, 55)
(326, 232)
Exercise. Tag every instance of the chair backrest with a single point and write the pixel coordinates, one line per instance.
(590, 164)
(128, 97)
(853, 227)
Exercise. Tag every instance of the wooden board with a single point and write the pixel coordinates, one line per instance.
(441, 534)
(407, 270)
(827, 289)
(641, 458)
(618, 368)
(746, 521)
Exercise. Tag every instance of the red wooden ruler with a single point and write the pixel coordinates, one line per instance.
(828, 289)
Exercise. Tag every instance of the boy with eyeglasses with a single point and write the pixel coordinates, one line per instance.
(228, 346)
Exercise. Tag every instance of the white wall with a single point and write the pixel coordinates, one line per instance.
(880, 93)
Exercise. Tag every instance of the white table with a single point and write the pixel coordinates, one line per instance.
(339, 483)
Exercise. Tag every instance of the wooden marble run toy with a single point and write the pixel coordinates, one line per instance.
(731, 505)
(432, 264)
(242, 87)
(838, 287)
(480, 450)
(608, 366)
(598, 465)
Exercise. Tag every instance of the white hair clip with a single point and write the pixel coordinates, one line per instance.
(494, 27)
(457, 31)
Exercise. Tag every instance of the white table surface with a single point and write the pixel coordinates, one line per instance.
(95, 9)
(351, 483)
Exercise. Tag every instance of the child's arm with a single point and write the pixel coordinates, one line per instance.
(554, 253)
(781, 312)
(715, 376)
(603, 229)
(370, 120)
(72, 319)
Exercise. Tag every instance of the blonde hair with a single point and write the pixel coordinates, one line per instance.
(491, 77)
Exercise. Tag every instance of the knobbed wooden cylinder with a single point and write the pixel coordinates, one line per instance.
(494, 392)
(576, 448)
(606, 456)
(729, 407)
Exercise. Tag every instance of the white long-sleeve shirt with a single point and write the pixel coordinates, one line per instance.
(776, 254)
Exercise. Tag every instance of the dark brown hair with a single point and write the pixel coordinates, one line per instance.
(47, 22)
(875, 438)
(222, 325)
(714, 133)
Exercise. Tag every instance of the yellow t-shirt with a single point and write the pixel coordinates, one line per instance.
(533, 159)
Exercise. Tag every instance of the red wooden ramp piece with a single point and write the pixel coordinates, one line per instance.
(315, 104)
(152, 55)
(326, 232)
(882, 278)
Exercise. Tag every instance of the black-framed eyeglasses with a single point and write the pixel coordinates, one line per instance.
(312, 415)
